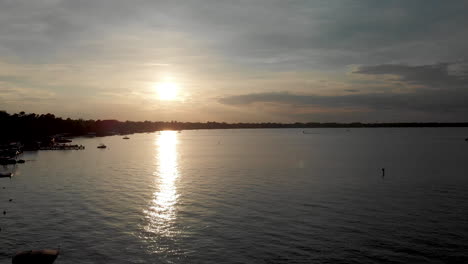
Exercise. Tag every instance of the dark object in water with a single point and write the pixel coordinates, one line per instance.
(308, 132)
(20, 161)
(7, 161)
(102, 146)
(6, 175)
(466, 139)
(10, 200)
(63, 140)
(62, 147)
(126, 137)
(46, 256)
(383, 172)
(4, 212)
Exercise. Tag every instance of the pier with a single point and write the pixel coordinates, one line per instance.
(63, 147)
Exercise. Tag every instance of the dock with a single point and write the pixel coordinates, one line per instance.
(63, 147)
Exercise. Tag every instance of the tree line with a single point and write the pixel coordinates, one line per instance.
(30, 126)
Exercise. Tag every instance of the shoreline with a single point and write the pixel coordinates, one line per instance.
(45, 128)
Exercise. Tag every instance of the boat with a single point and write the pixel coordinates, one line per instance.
(91, 134)
(63, 140)
(46, 256)
(308, 132)
(102, 146)
(6, 175)
(126, 137)
(7, 161)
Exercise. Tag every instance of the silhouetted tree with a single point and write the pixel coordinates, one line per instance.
(33, 127)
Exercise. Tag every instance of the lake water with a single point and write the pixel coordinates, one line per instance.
(245, 196)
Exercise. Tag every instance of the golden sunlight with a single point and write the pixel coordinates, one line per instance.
(167, 91)
(162, 211)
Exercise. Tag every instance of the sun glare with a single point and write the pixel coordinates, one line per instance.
(167, 91)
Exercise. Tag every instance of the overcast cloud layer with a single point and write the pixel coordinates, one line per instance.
(252, 60)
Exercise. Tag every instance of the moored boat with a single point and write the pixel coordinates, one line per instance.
(6, 175)
(7, 161)
(46, 256)
(63, 140)
(102, 146)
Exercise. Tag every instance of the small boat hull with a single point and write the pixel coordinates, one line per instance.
(46, 256)
(7, 161)
(6, 175)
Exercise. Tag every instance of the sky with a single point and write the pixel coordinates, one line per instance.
(236, 60)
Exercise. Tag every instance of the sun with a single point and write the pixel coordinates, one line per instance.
(167, 91)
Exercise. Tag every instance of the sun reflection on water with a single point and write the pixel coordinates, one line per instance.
(162, 213)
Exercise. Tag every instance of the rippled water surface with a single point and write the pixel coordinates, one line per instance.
(245, 196)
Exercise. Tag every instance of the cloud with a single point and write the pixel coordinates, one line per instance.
(429, 101)
(442, 90)
(324, 34)
(268, 33)
(114, 50)
(435, 76)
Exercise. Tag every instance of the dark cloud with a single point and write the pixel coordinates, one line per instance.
(436, 76)
(272, 33)
(426, 99)
(337, 33)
